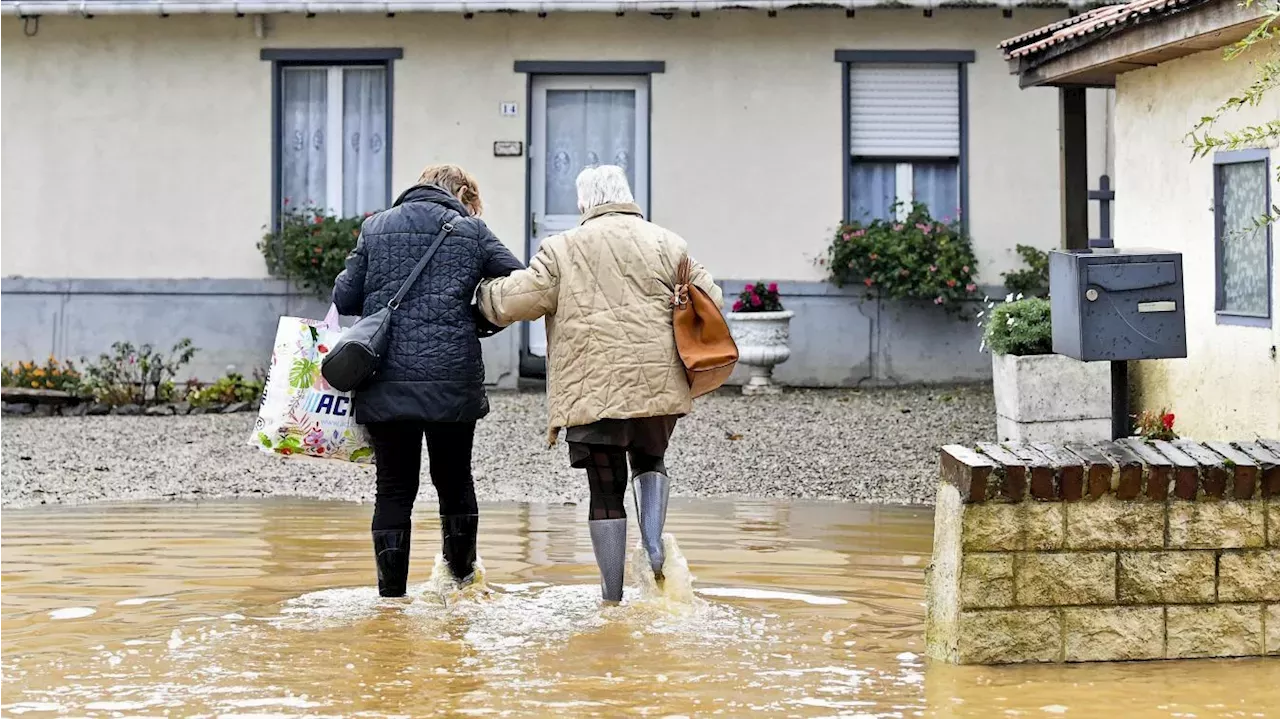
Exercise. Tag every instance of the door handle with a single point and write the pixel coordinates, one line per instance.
(533, 223)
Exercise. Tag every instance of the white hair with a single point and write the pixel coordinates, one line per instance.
(602, 185)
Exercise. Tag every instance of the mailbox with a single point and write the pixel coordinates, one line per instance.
(1117, 304)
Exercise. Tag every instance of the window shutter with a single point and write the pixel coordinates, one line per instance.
(904, 110)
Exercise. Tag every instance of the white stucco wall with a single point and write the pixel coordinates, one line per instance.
(1228, 387)
(141, 147)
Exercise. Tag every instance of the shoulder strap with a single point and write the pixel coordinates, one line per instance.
(448, 226)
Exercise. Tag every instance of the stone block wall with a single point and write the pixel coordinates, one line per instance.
(1106, 552)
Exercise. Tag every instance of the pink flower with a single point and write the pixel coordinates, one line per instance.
(859, 233)
(933, 268)
(773, 286)
(737, 306)
(964, 269)
(755, 300)
(748, 288)
(951, 283)
(938, 300)
(897, 228)
(970, 287)
(846, 237)
(868, 282)
(286, 202)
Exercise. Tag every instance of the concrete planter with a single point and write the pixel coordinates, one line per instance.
(763, 341)
(1051, 398)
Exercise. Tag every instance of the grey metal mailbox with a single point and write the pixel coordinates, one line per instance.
(1117, 304)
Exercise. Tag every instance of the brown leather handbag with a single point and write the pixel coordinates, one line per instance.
(706, 348)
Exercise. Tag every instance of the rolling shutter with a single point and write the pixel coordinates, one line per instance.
(904, 110)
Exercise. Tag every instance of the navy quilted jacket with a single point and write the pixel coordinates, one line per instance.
(433, 370)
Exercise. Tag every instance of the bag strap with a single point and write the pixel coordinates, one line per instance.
(448, 226)
(680, 297)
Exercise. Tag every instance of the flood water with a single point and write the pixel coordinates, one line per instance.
(266, 609)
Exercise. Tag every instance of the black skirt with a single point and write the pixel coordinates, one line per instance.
(646, 435)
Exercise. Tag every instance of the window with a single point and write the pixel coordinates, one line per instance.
(333, 129)
(905, 132)
(1242, 244)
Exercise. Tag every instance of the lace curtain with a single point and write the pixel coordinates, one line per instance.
(302, 149)
(364, 127)
(873, 188)
(585, 128)
(305, 130)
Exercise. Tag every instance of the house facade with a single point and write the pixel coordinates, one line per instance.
(1164, 59)
(147, 146)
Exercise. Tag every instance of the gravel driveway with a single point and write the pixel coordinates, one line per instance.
(868, 446)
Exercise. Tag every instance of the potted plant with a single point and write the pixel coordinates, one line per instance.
(762, 329)
(1041, 396)
(914, 257)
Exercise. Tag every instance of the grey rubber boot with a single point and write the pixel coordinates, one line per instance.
(609, 542)
(391, 554)
(651, 491)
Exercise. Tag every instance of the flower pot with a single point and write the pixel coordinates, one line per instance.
(762, 339)
(1051, 398)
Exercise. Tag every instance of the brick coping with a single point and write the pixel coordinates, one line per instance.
(1130, 469)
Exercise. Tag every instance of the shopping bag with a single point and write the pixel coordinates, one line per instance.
(301, 415)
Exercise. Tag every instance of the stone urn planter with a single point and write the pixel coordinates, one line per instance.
(763, 341)
(1051, 398)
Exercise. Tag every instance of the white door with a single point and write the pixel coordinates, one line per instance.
(579, 121)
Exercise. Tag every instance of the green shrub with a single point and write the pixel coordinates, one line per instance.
(1033, 281)
(917, 258)
(135, 375)
(228, 389)
(310, 248)
(1019, 327)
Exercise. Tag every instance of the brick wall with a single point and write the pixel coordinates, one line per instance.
(1106, 552)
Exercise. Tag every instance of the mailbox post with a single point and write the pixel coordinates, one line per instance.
(1117, 305)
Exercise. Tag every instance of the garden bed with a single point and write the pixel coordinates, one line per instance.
(19, 401)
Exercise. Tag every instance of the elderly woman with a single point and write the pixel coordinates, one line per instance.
(431, 381)
(614, 379)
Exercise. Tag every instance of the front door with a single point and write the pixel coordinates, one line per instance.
(578, 121)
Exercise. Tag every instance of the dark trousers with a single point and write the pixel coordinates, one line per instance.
(397, 447)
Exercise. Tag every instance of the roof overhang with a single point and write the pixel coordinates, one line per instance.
(89, 8)
(1095, 59)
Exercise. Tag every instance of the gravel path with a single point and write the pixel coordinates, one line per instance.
(867, 446)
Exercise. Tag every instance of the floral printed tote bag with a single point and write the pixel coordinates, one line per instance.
(301, 415)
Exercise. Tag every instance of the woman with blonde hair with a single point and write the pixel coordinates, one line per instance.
(430, 383)
(614, 379)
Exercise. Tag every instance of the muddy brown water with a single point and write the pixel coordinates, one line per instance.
(265, 609)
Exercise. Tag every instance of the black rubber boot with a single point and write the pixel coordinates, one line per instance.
(458, 532)
(391, 553)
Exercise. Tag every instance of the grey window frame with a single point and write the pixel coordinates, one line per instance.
(281, 58)
(960, 58)
(1225, 317)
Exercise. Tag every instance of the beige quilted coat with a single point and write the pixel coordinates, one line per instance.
(604, 288)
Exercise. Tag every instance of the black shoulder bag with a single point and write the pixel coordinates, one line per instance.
(356, 355)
